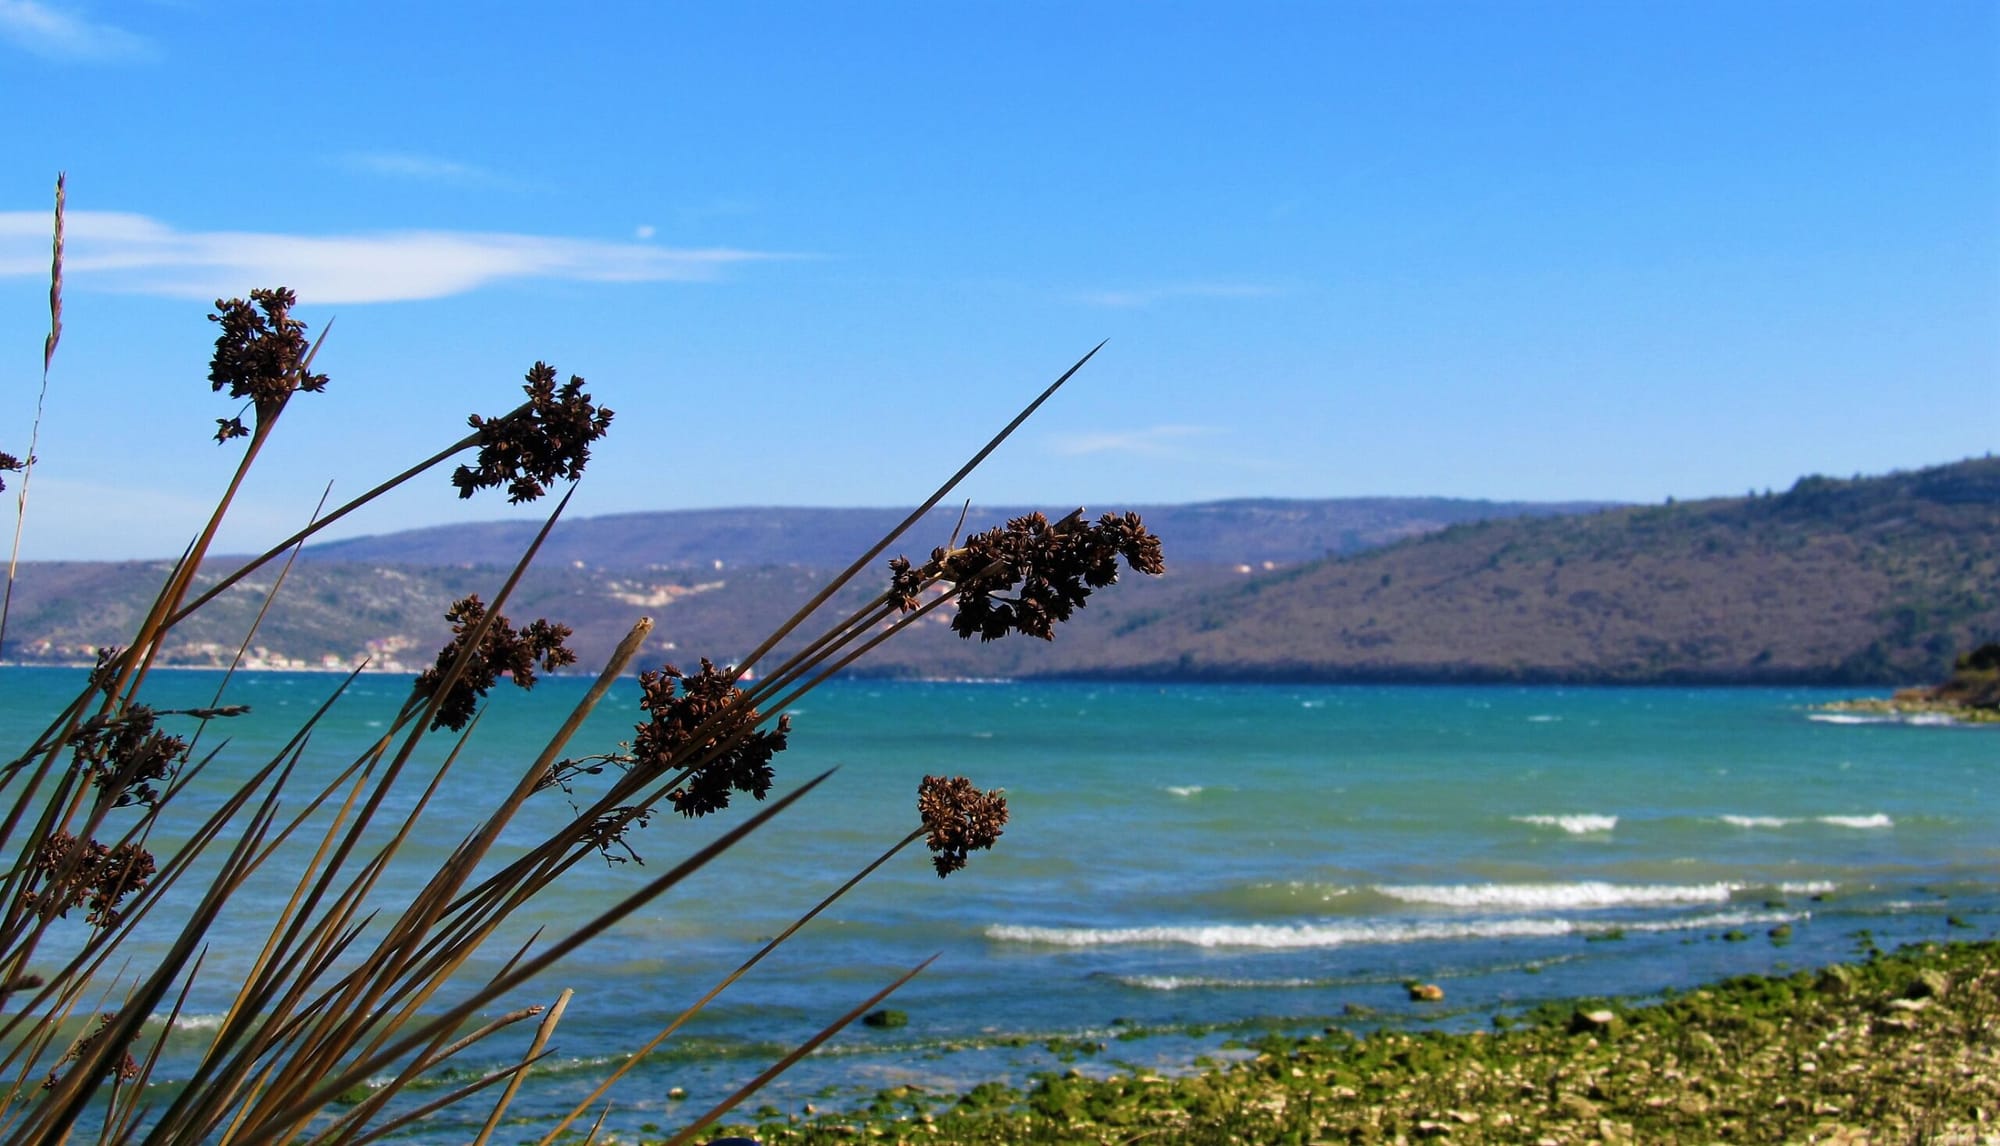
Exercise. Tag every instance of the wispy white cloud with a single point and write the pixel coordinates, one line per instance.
(1147, 296)
(419, 168)
(58, 32)
(128, 252)
(1151, 441)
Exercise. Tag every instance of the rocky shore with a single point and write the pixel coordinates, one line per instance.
(1901, 1047)
(1915, 707)
(1971, 695)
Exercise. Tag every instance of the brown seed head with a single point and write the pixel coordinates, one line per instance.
(124, 1067)
(525, 451)
(73, 871)
(504, 649)
(958, 818)
(260, 355)
(679, 704)
(1031, 574)
(125, 755)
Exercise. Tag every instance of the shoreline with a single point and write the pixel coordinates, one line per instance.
(1468, 679)
(1905, 710)
(1900, 1047)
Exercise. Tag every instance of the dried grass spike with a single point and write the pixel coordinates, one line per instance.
(55, 283)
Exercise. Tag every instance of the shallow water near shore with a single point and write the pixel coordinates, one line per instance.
(1189, 860)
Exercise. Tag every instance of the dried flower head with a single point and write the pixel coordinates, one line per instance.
(608, 831)
(679, 704)
(905, 583)
(260, 355)
(10, 464)
(125, 755)
(105, 672)
(73, 871)
(504, 649)
(123, 1067)
(958, 818)
(527, 450)
(1030, 575)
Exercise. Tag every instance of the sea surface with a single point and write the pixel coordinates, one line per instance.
(1186, 866)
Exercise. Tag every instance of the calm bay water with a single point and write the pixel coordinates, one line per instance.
(1182, 858)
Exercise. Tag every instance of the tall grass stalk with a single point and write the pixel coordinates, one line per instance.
(41, 400)
(340, 991)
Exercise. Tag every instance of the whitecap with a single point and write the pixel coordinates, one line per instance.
(1878, 820)
(1559, 896)
(1576, 825)
(1317, 935)
(1543, 718)
(1199, 982)
(1274, 936)
(1183, 790)
(1758, 821)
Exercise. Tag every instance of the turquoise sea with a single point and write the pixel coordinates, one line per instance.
(1185, 865)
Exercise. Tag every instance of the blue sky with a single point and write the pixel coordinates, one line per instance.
(813, 254)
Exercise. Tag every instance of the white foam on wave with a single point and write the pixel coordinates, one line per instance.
(1183, 790)
(1921, 719)
(186, 1022)
(1273, 936)
(1543, 718)
(1200, 982)
(1268, 936)
(1560, 896)
(1878, 820)
(1576, 825)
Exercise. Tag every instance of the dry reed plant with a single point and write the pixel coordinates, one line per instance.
(339, 994)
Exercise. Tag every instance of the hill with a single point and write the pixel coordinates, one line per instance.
(1248, 531)
(1872, 580)
(717, 581)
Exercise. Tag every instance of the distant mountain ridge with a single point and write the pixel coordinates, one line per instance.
(1871, 580)
(1249, 531)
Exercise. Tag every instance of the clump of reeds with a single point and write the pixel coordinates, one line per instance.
(337, 994)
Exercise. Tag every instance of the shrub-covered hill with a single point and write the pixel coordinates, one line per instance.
(1867, 580)
(1873, 580)
(1245, 531)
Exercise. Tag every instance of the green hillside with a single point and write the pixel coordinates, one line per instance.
(1870, 580)
(1867, 580)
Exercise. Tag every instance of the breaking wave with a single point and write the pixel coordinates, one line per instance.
(1308, 935)
(1576, 825)
(1865, 823)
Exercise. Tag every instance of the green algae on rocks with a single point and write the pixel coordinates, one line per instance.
(1901, 1047)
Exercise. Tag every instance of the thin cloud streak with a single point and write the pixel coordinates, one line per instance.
(420, 168)
(1152, 441)
(1147, 296)
(133, 253)
(56, 33)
